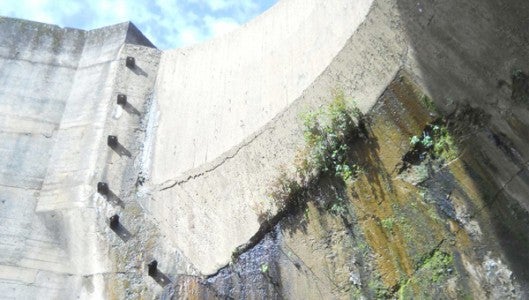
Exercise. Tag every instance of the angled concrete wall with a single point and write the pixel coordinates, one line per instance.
(213, 99)
(214, 95)
(57, 97)
(38, 63)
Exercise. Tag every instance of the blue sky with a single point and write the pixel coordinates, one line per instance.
(167, 23)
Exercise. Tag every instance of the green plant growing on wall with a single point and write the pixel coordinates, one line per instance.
(437, 268)
(437, 140)
(415, 140)
(328, 133)
(427, 141)
(439, 265)
(428, 103)
(444, 145)
(264, 268)
(388, 223)
(377, 288)
(338, 207)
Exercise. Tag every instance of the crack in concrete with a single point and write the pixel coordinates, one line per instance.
(270, 126)
(504, 186)
(497, 194)
(216, 165)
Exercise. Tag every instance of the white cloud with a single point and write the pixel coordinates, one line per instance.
(220, 26)
(189, 36)
(218, 4)
(168, 23)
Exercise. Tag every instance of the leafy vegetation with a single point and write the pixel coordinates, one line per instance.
(264, 268)
(433, 270)
(338, 207)
(428, 103)
(437, 140)
(444, 145)
(388, 223)
(328, 134)
(438, 264)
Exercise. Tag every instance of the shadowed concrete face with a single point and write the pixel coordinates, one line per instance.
(476, 53)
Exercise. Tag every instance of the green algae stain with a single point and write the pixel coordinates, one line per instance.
(433, 271)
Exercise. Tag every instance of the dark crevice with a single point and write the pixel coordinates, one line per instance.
(294, 204)
(520, 87)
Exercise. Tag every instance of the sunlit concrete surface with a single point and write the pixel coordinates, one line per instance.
(213, 98)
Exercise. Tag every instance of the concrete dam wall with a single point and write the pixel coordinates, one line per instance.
(207, 136)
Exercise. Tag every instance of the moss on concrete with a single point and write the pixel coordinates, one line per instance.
(432, 272)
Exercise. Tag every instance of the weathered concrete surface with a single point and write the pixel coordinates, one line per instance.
(35, 88)
(214, 99)
(192, 182)
(214, 95)
(58, 95)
